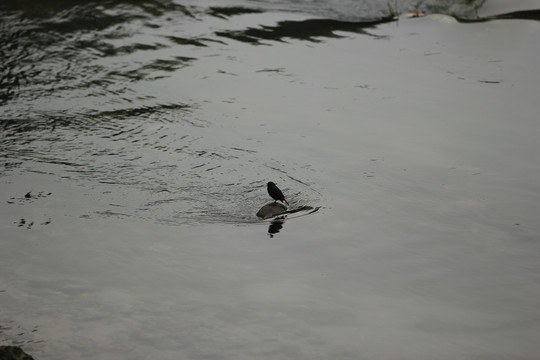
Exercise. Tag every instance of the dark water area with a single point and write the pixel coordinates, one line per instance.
(137, 138)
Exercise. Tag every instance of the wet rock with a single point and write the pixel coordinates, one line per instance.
(13, 353)
(271, 210)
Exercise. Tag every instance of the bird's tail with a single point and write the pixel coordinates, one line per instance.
(285, 201)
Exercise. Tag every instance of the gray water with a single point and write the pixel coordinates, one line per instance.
(137, 139)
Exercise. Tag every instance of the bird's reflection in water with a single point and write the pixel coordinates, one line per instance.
(275, 226)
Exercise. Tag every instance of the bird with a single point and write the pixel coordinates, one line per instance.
(275, 193)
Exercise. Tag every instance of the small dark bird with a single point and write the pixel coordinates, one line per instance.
(275, 193)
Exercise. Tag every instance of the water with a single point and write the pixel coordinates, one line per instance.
(137, 139)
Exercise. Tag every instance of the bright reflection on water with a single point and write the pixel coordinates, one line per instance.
(137, 139)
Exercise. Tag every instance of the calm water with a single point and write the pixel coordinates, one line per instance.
(137, 139)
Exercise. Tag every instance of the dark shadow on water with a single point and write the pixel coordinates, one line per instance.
(225, 12)
(315, 29)
(309, 30)
(515, 15)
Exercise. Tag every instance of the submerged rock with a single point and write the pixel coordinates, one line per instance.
(13, 353)
(271, 210)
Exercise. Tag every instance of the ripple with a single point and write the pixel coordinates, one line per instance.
(74, 107)
(59, 49)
